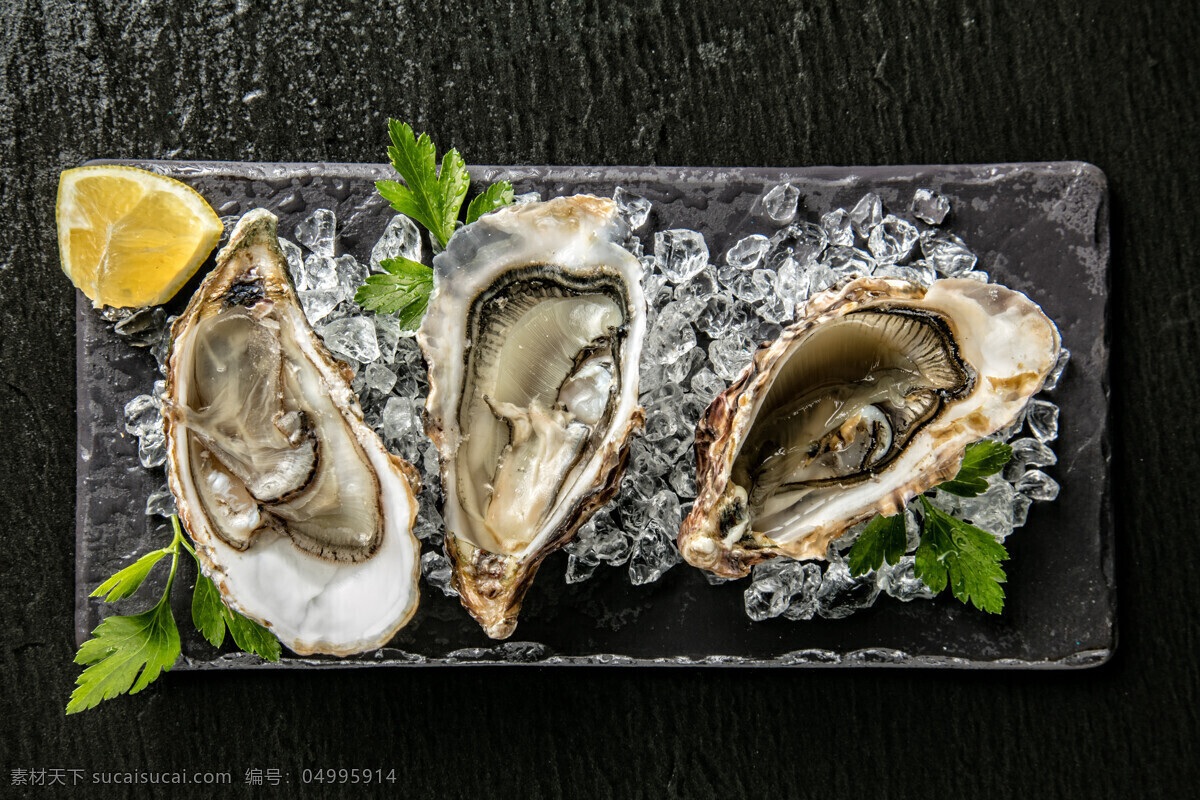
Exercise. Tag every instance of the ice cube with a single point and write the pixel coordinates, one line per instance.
(317, 232)
(991, 511)
(295, 260)
(660, 424)
(1043, 420)
(867, 213)
(527, 197)
(399, 419)
(753, 286)
(722, 314)
(161, 502)
(775, 308)
(143, 328)
(848, 261)
(747, 253)
(353, 337)
(804, 242)
(730, 355)
(387, 336)
(1021, 505)
(841, 594)
(929, 206)
(679, 371)
(400, 239)
(901, 582)
(804, 599)
(772, 586)
(892, 240)
(1028, 452)
(671, 337)
(152, 451)
(646, 459)
(706, 384)
(635, 207)
(318, 304)
(780, 202)
(663, 507)
(695, 293)
(379, 378)
(653, 554)
(579, 569)
(1037, 485)
(1064, 356)
(917, 273)
(437, 572)
(143, 416)
(947, 253)
(680, 254)
(838, 228)
(351, 275)
(320, 273)
(683, 478)
(658, 292)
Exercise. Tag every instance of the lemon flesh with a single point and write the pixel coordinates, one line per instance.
(131, 238)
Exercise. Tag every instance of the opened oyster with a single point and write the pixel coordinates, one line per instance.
(300, 516)
(863, 404)
(532, 337)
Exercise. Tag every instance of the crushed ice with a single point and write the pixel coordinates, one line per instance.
(705, 321)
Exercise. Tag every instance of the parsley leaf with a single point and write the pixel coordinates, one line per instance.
(884, 539)
(962, 556)
(211, 617)
(207, 610)
(430, 198)
(433, 198)
(127, 581)
(498, 195)
(981, 459)
(250, 636)
(403, 290)
(126, 655)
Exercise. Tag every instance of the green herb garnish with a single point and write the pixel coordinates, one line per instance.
(884, 539)
(433, 198)
(126, 654)
(981, 460)
(404, 290)
(951, 552)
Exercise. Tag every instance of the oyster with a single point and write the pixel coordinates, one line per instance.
(533, 337)
(858, 407)
(299, 515)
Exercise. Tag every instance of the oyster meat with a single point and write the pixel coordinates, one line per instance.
(862, 404)
(299, 515)
(533, 338)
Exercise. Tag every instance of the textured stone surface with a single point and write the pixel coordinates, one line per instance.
(1040, 228)
(699, 83)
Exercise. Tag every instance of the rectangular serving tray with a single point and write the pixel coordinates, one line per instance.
(1039, 228)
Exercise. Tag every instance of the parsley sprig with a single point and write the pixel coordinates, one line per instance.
(127, 653)
(951, 552)
(433, 198)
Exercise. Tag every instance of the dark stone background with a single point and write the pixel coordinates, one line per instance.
(691, 83)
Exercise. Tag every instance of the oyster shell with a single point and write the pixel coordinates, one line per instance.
(864, 403)
(299, 515)
(533, 338)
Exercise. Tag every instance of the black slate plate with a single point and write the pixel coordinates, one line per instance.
(1039, 228)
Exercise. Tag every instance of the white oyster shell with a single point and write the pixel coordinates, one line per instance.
(533, 338)
(299, 515)
(1006, 345)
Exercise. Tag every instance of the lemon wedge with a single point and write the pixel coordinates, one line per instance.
(128, 237)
